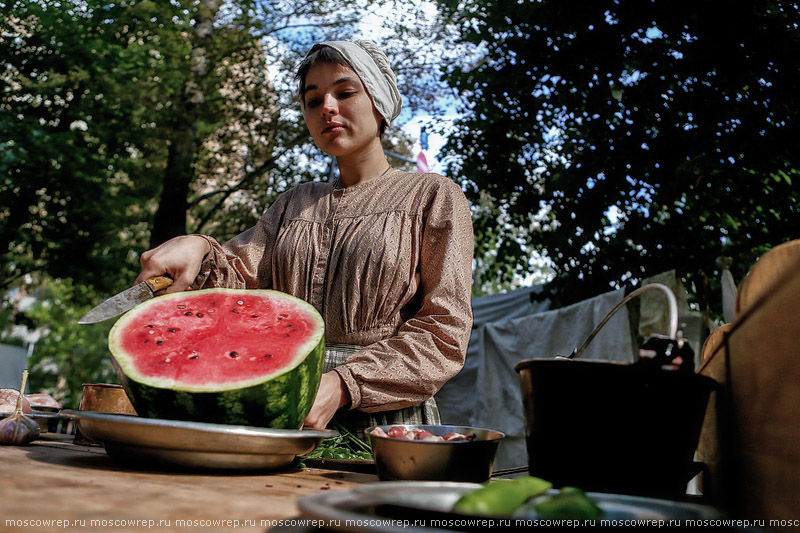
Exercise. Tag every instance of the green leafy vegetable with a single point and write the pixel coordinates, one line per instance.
(345, 446)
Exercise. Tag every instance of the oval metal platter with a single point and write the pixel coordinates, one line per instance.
(195, 445)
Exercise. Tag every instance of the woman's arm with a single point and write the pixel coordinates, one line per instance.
(244, 262)
(199, 261)
(332, 395)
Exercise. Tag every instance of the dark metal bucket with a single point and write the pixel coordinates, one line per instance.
(613, 427)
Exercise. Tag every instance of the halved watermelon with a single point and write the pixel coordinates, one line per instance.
(251, 357)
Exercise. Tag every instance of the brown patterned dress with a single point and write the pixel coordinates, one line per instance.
(388, 264)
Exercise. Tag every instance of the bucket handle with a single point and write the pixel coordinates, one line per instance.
(673, 316)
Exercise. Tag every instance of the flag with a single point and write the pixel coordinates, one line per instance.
(422, 163)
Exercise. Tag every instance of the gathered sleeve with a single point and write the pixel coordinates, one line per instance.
(429, 347)
(244, 262)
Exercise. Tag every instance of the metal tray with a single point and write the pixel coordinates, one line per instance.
(195, 445)
(37, 414)
(423, 506)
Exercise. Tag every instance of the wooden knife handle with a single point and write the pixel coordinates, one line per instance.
(159, 282)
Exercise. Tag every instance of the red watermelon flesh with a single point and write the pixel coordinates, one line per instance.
(221, 355)
(210, 340)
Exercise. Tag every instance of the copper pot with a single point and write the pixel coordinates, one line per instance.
(105, 398)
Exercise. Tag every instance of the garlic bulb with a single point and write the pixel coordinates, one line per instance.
(18, 428)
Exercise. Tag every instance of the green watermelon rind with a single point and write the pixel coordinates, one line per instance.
(279, 400)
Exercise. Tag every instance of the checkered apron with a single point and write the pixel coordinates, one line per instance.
(357, 421)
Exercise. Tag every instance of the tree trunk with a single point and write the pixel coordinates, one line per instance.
(171, 215)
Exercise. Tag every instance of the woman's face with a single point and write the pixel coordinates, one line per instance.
(338, 110)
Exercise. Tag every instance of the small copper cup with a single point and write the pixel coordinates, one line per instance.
(104, 398)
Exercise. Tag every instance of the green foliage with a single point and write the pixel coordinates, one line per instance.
(126, 122)
(129, 122)
(66, 354)
(83, 87)
(625, 138)
(496, 243)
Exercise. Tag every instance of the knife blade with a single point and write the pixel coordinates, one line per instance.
(125, 300)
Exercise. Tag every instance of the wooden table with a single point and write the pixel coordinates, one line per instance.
(54, 479)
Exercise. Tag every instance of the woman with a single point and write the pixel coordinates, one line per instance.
(384, 255)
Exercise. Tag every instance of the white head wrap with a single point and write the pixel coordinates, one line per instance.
(372, 66)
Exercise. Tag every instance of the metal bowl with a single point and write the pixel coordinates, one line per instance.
(401, 459)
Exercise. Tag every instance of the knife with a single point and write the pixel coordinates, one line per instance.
(127, 299)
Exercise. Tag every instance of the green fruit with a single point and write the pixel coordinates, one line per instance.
(568, 503)
(501, 497)
(250, 357)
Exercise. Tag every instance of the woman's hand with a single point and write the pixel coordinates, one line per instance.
(331, 396)
(180, 258)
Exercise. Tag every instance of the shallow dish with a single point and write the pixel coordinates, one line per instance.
(402, 459)
(37, 414)
(195, 444)
(418, 506)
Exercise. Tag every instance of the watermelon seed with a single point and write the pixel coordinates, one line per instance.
(151, 332)
(187, 313)
(254, 316)
(234, 355)
(267, 355)
(282, 316)
(286, 335)
(252, 358)
(171, 330)
(181, 307)
(159, 341)
(199, 315)
(150, 326)
(194, 357)
(211, 310)
(234, 311)
(240, 302)
(167, 360)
